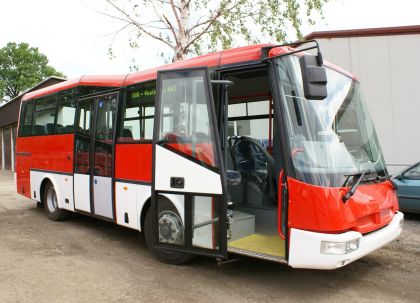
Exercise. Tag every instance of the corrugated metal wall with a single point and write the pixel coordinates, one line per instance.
(7, 149)
(1, 149)
(388, 68)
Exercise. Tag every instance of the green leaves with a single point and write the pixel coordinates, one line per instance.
(190, 27)
(22, 67)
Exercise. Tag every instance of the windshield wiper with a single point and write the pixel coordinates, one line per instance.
(379, 178)
(352, 190)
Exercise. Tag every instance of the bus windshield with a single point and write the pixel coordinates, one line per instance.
(329, 139)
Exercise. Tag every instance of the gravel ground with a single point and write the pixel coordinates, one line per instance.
(87, 260)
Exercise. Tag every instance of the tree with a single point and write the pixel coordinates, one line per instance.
(22, 67)
(189, 26)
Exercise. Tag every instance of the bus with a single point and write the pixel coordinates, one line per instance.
(264, 151)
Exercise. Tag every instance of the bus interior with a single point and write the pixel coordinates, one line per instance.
(253, 152)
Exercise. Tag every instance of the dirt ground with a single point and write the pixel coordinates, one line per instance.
(87, 260)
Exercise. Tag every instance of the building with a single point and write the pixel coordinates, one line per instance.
(387, 63)
(9, 114)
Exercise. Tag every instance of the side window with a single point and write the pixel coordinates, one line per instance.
(138, 114)
(66, 112)
(44, 116)
(414, 173)
(251, 119)
(25, 125)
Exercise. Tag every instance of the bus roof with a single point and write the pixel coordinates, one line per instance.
(225, 57)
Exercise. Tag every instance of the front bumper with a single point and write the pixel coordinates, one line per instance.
(305, 246)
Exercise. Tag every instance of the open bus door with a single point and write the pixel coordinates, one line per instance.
(187, 167)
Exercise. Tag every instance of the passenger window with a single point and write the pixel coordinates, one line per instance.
(44, 116)
(25, 127)
(138, 114)
(65, 114)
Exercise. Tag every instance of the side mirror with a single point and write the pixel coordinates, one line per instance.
(400, 177)
(314, 77)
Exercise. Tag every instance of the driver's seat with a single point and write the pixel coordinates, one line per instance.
(257, 192)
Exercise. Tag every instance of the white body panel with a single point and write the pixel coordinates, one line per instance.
(127, 200)
(131, 198)
(102, 193)
(169, 164)
(63, 185)
(305, 246)
(82, 192)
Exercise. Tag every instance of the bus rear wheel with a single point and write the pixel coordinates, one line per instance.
(167, 218)
(51, 208)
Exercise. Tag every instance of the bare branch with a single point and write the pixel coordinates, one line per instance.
(172, 29)
(139, 25)
(177, 18)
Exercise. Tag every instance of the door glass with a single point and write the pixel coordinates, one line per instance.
(107, 106)
(186, 211)
(200, 213)
(85, 114)
(206, 222)
(185, 124)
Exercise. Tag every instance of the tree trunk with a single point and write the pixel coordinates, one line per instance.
(184, 19)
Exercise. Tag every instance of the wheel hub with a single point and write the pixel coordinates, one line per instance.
(52, 200)
(170, 228)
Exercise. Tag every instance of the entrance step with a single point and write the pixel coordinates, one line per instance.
(243, 225)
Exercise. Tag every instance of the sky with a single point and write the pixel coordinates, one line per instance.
(76, 38)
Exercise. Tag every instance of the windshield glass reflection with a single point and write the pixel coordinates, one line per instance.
(330, 138)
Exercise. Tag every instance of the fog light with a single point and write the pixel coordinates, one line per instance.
(339, 248)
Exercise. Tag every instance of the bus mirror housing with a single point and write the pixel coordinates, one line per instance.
(314, 77)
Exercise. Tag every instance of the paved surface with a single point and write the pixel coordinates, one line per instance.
(87, 260)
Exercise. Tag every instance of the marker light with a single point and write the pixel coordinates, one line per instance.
(339, 248)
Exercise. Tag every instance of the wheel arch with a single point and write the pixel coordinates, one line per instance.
(42, 185)
(175, 200)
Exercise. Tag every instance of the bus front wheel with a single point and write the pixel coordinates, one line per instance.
(166, 217)
(51, 208)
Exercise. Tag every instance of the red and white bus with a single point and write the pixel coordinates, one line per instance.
(262, 151)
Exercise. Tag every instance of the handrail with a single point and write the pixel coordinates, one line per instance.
(280, 203)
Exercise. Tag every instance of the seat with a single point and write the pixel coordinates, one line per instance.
(259, 179)
(68, 129)
(49, 128)
(126, 133)
(38, 130)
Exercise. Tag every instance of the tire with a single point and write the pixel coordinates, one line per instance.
(166, 256)
(51, 209)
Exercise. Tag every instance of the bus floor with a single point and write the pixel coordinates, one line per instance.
(259, 240)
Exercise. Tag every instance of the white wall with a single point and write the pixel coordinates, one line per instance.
(388, 69)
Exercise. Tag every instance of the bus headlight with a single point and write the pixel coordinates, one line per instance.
(339, 248)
